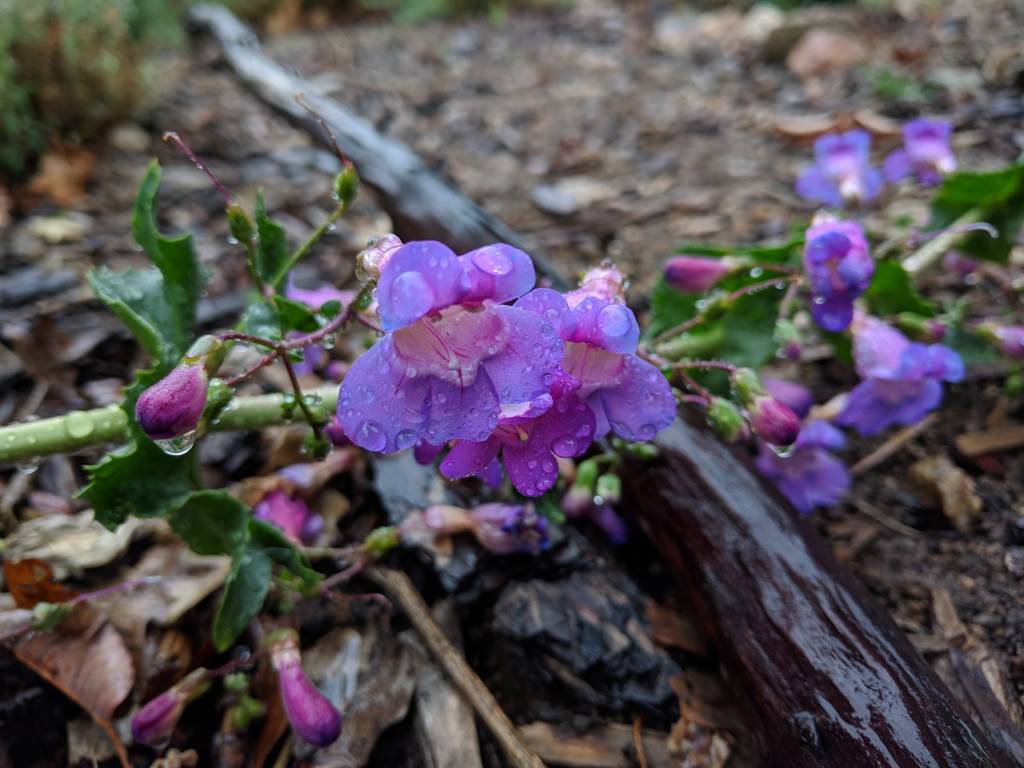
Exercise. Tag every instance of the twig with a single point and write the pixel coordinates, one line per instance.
(1002, 438)
(892, 446)
(879, 516)
(638, 741)
(402, 591)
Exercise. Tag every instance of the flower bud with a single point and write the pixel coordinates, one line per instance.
(313, 717)
(1008, 339)
(794, 396)
(926, 329)
(696, 274)
(746, 385)
(172, 407)
(289, 514)
(371, 260)
(725, 418)
(346, 184)
(773, 422)
(154, 723)
(578, 500)
(507, 529)
(609, 488)
(335, 433)
(787, 337)
(240, 225)
(604, 282)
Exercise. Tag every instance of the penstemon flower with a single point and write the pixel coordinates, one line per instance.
(839, 269)
(925, 153)
(453, 356)
(155, 721)
(313, 717)
(810, 476)
(842, 172)
(901, 380)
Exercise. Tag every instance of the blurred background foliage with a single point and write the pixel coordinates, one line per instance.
(69, 69)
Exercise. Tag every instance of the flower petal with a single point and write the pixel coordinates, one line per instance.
(896, 166)
(467, 412)
(498, 272)
(551, 304)
(467, 458)
(419, 278)
(530, 466)
(524, 369)
(812, 184)
(642, 404)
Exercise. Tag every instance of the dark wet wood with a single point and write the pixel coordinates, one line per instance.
(420, 203)
(827, 674)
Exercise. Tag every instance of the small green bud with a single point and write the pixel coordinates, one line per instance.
(609, 488)
(381, 540)
(586, 473)
(239, 224)
(746, 385)
(725, 418)
(46, 616)
(346, 184)
(645, 451)
(316, 446)
(331, 309)
(365, 297)
(245, 710)
(237, 682)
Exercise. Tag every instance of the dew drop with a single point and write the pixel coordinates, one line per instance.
(405, 439)
(78, 425)
(370, 435)
(493, 262)
(28, 467)
(232, 240)
(756, 272)
(782, 451)
(177, 446)
(564, 446)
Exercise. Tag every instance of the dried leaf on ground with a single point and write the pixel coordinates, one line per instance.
(30, 581)
(949, 487)
(608, 746)
(62, 175)
(821, 51)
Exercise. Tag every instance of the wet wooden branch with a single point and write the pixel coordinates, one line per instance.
(831, 680)
(420, 203)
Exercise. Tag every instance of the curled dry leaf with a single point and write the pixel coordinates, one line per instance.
(805, 127)
(62, 175)
(30, 581)
(948, 486)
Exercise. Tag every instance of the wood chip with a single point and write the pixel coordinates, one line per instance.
(609, 746)
(1002, 438)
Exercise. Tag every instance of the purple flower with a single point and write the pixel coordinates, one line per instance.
(291, 515)
(336, 433)
(453, 357)
(794, 396)
(810, 476)
(313, 717)
(155, 721)
(961, 265)
(839, 269)
(315, 298)
(172, 407)
(772, 421)
(696, 274)
(558, 424)
(925, 154)
(901, 380)
(841, 172)
(371, 260)
(629, 396)
(1009, 339)
(507, 529)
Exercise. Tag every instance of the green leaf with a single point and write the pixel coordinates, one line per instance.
(137, 298)
(669, 308)
(176, 259)
(999, 198)
(261, 319)
(749, 338)
(972, 348)
(242, 598)
(780, 253)
(212, 523)
(271, 246)
(295, 316)
(280, 549)
(892, 292)
(138, 479)
(331, 309)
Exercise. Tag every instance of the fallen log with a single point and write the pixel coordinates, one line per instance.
(421, 204)
(831, 680)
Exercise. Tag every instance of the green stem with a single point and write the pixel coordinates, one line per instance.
(929, 254)
(82, 429)
(303, 249)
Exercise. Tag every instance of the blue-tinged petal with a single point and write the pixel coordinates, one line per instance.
(419, 278)
(641, 404)
(526, 365)
(498, 272)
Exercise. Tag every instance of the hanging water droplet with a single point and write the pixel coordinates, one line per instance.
(177, 446)
(29, 466)
(331, 227)
(232, 240)
(327, 342)
(780, 285)
(782, 451)
(756, 272)
(78, 425)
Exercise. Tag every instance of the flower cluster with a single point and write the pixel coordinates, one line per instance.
(842, 172)
(838, 268)
(525, 383)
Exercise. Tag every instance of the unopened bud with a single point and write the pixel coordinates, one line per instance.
(240, 225)
(725, 418)
(578, 500)
(335, 433)
(746, 385)
(313, 717)
(609, 488)
(787, 337)
(696, 274)
(1008, 339)
(346, 184)
(371, 259)
(154, 723)
(926, 329)
(773, 422)
(796, 397)
(173, 406)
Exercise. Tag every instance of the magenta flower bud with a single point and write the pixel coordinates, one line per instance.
(371, 260)
(1008, 339)
(507, 529)
(172, 407)
(335, 433)
(773, 422)
(794, 396)
(313, 717)
(155, 721)
(289, 514)
(696, 274)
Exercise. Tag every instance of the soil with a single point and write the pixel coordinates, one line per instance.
(601, 131)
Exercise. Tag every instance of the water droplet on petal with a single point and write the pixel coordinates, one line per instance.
(564, 446)
(370, 436)
(177, 446)
(614, 321)
(531, 464)
(405, 439)
(493, 262)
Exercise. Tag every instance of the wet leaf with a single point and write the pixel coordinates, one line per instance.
(211, 522)
(999, 196)
(244, 592)
(30, 581)
(892, 292)
(271, 246)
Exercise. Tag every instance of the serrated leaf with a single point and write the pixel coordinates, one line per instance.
(271, 245)
(137, 298)
(212, 522)
(242, 598)
(280, 549)
(999, 198)
(138, 479)
(891, 292)
(176, 260)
